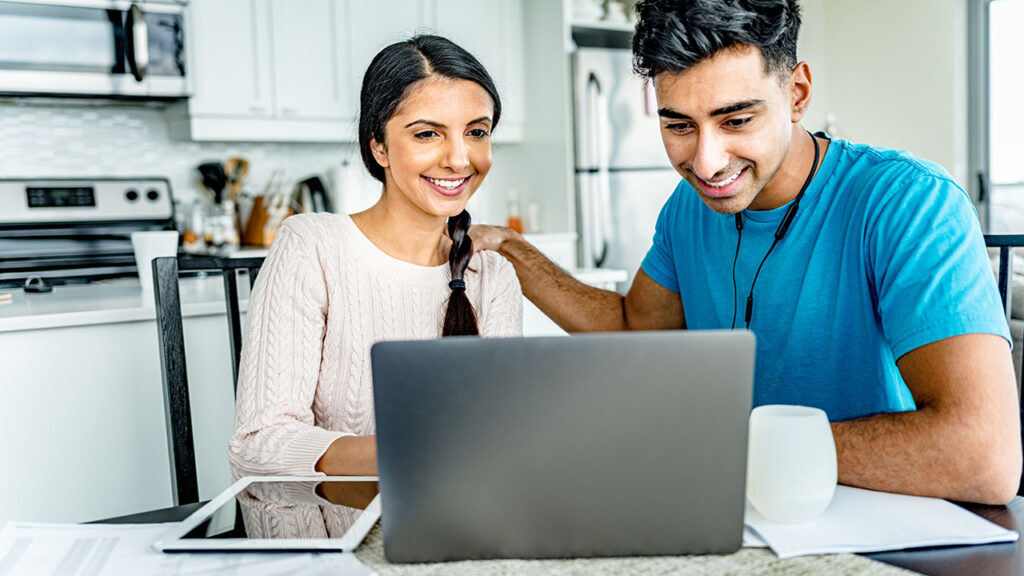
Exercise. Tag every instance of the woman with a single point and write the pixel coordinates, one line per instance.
(333, 285)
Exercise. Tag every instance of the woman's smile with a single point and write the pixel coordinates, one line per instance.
(448, 186)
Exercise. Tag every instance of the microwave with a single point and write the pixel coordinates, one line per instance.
(93, 48)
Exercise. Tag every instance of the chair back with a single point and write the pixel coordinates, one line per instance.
(1005, 243)
(171, 335)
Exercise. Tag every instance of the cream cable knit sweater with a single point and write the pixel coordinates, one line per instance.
(325, 294)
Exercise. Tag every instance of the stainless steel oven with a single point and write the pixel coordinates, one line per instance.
(93, 48)
(77, 230)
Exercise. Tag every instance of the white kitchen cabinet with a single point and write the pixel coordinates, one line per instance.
(374, 25)
(82, 394)
(268, 70)
(493, 32)
(279, 71)
(311, 70)
(231, 78)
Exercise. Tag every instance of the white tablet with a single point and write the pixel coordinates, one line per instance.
(322, 514)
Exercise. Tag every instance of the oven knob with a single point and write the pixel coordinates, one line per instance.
(132, 195)
(153, 194)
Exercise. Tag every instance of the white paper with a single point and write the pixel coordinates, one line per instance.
(860, 520)
(751, 539)
(112, 549)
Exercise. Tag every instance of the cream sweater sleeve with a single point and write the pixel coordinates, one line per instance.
(274, 431)
(503, 298)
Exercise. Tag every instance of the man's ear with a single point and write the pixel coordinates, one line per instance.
(799, 91)
(380, 153)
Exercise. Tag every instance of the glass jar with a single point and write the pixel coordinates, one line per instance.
(220, 231)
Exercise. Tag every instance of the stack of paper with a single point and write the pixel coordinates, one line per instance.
(100, 549)
(860, 520)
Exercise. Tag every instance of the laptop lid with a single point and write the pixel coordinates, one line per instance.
(593, 445)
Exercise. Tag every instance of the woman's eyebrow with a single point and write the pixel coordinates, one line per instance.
(427, 122)
(440, 125)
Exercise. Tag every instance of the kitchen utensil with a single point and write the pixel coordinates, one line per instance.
(235, 170)
(213, 177)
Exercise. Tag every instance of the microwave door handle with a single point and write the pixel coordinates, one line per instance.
(137, 48)
(116, 18)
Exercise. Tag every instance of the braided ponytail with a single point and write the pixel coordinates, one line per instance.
(459, 319)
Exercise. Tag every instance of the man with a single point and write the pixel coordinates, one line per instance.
(873, 300)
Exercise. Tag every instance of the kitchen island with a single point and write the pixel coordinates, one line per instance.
(83, 399)
(82, 396)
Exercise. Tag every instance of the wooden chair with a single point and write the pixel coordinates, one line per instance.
(1005, 243)
(184, 481)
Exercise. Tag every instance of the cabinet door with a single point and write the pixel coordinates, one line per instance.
(491, 31)
(229, 57)
(310, 77)
(374, 25)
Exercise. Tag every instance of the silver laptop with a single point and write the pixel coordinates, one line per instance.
(593, 445)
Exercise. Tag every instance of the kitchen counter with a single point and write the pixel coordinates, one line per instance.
(115, 301)
(106, 302)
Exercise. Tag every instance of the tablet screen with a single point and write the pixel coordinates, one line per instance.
(312, 509)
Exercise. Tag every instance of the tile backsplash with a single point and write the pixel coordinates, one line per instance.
(94, 140)
(97, 139)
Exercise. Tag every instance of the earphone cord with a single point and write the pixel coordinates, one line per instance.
(739, 238)
(786, 220)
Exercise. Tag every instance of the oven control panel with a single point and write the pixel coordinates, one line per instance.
(24, 201)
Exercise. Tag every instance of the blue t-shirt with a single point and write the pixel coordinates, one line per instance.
(884, 255)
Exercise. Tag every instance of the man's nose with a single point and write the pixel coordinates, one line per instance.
(710, 158)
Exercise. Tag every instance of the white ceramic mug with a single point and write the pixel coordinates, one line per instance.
(791, 462)
(149, 245)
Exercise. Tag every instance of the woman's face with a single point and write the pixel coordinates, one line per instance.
(437, 146)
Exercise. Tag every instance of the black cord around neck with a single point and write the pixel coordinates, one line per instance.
(787, 219)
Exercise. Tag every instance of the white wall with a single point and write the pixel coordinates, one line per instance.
(894, 74)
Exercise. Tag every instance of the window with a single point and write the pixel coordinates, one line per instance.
(1005, 116)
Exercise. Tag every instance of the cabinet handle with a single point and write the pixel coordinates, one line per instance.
(257, 108)
(289, 111)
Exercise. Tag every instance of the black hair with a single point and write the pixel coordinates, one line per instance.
(385, 85)
(674, 35)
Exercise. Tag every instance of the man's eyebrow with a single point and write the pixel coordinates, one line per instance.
(736, 107)
(674, 115)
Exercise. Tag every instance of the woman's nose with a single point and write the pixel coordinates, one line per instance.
(457, 155)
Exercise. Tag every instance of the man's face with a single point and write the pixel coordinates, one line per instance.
(727, 126)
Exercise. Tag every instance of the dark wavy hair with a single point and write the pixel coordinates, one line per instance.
(386, 83)
(674, 35)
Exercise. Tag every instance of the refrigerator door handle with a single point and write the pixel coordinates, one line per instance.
(598, 215)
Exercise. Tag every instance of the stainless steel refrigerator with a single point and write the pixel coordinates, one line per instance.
(623, 176)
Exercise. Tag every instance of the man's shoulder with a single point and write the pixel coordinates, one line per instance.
(880, 169)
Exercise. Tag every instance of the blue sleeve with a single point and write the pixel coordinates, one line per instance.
(659, 263)
(927, 258)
